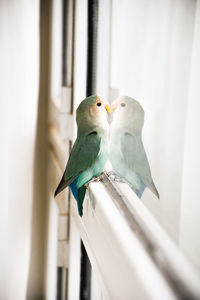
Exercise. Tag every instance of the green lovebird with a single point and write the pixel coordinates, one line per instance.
(89, 153)
(127, 154)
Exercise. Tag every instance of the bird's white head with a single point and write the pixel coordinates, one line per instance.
(127, 114)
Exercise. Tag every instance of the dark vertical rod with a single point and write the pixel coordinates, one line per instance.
(85, 280)
(64, 42)
(73, 51)
(59, 283)
(92, 23)
(92, 46)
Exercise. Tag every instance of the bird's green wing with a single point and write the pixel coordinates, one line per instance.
(83, 155)
(135, 158)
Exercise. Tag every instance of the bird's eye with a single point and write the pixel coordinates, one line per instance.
(123, 104)
(98, 103)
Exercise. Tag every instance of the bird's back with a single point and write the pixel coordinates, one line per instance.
(129, 161)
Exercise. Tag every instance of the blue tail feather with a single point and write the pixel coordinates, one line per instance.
(141, 189)
(74, 189)
(79, 195)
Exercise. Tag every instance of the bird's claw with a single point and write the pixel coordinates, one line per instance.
(96, 179)
(86, 185)
(119, 179)
(104, 173)
(116, 178)
(111, 174)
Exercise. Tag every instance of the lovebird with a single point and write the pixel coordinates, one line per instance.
(127, 154)
(90, 150)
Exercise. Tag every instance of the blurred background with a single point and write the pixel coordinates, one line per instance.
(53, 54)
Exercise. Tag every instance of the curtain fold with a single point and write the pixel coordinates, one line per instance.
(21, 76)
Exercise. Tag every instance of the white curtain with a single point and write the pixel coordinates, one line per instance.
(190, 205)
(20, 75)
(155, 59)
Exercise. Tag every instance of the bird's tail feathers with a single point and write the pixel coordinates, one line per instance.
(81, 196)
(62, 185)
(154, 190)
(140, 191)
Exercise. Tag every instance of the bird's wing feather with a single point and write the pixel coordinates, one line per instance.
(135, 158)
(83, 155)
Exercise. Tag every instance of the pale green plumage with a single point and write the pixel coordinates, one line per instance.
(127, 154)
(89, 153)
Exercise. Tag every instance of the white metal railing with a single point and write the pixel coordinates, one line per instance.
(130, 253)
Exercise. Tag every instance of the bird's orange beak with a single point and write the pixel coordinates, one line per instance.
(113, 107)
(108, 108)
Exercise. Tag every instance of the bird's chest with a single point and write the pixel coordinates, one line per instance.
(97, 167)
(99, 164)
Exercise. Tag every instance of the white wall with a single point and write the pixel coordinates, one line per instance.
(21, 77)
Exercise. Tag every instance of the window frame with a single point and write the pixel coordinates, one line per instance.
(111, 228)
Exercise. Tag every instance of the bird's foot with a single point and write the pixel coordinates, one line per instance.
(116, 178)
(111, 173)
(94, 179)
(104, 173)
(97, 178)
(119, 179)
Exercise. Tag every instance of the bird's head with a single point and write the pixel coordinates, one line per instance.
(127, 113)
(92, 113)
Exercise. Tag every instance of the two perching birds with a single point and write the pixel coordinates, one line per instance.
(97, 142)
